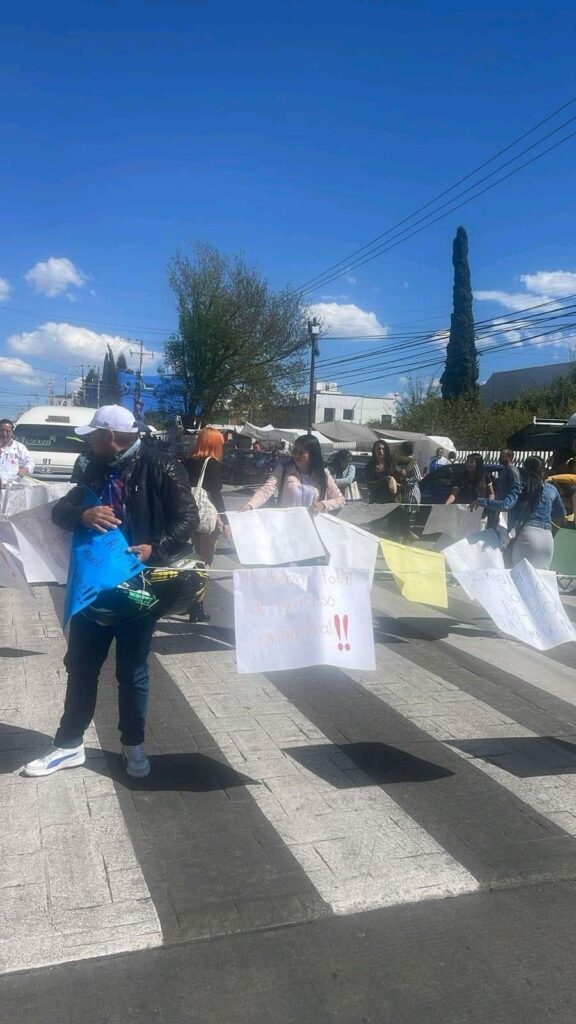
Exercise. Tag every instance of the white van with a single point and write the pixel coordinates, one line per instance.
(48, 433)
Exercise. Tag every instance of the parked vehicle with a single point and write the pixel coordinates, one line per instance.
(48, 433)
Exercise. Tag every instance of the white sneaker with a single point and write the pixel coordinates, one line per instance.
(137, 764)
(55, 759)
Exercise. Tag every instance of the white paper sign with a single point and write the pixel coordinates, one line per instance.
(22, 496)
(360, 512)
(44, 547)
(348, 546)
(274, 536)
(523, 602)
(41, 546)
(11, 569)
(475, 553)
(297, 617)
(456, 521)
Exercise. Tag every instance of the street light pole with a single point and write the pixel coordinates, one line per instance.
(314, 332)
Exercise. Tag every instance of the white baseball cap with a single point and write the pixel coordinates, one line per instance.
(110, 417)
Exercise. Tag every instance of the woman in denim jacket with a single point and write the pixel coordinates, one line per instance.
(533, 506)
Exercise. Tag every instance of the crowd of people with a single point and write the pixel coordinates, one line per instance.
(162, 503)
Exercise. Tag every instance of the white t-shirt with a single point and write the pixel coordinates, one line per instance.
(14, 456)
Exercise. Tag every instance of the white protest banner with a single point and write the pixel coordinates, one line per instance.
(523, 602)
(360, 512)
(456, 521)
(274, 536)
(297, 617)
(475, 553)
(11, 569)
(21, 496)
(348, 546)
(44, 547)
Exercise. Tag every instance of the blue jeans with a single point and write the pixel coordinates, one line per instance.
(88, 647)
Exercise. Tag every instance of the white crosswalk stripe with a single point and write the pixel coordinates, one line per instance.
(71, 886)
(358, 847)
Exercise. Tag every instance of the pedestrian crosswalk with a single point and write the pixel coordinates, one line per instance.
(449, 770)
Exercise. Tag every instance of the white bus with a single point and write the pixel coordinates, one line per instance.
(48, 433)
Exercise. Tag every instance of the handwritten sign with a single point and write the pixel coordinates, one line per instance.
(348, 546)
(274, 536)
(297, 617)
(523, 602)
(24, 495)
(99, 561)
(476, 553)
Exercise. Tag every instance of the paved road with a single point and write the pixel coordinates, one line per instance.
(311, 846)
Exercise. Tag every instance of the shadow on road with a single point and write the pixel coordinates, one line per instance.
(180, 773)
(526, 757)
(389, 630)
(383, 764)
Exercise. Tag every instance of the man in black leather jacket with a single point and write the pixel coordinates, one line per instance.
(146, 494)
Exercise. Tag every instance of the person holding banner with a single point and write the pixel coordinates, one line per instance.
(473, 483)
(532, 507)
(144, 493)
(302, 482)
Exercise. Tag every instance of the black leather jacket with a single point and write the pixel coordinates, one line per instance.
(160, 509)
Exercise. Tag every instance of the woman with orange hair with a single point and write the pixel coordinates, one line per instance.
(208, 450)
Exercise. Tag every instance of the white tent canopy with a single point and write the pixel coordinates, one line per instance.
(270, 433)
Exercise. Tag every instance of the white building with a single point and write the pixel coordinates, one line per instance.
(331, 405)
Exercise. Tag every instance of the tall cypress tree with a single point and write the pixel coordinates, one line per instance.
(460, 375)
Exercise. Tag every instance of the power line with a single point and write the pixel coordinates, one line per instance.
(344, 262)
(407, 233)
(443, 216)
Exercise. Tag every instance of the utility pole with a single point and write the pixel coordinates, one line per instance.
(314, 332)
(138, 381)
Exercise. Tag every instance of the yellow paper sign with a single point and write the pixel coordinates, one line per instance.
(420, 575)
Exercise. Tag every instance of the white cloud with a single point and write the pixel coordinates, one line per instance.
(550, 283)
(54, 276)
(17, 370)
(516, 301)
(68, 343)
(347, 320)
(543, 286)
(4, 289)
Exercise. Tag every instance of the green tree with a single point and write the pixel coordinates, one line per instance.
(237, 341)
(460, 375)
(109, 383)
(121, 363)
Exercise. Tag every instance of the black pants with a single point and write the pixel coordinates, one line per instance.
(88, 648)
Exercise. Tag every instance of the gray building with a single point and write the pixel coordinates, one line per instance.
(509, 384)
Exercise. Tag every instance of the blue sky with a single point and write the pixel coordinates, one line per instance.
(292, 132)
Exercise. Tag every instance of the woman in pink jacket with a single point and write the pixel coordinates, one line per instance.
(303, 481)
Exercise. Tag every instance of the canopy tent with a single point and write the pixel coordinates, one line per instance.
(356, 436)
(270, 433)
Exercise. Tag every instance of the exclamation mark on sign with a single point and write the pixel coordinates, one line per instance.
(342, 646)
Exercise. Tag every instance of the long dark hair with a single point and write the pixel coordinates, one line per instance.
(478, 461)
(387, 457)
(316, 464)
(339, 461)
(533, 473)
